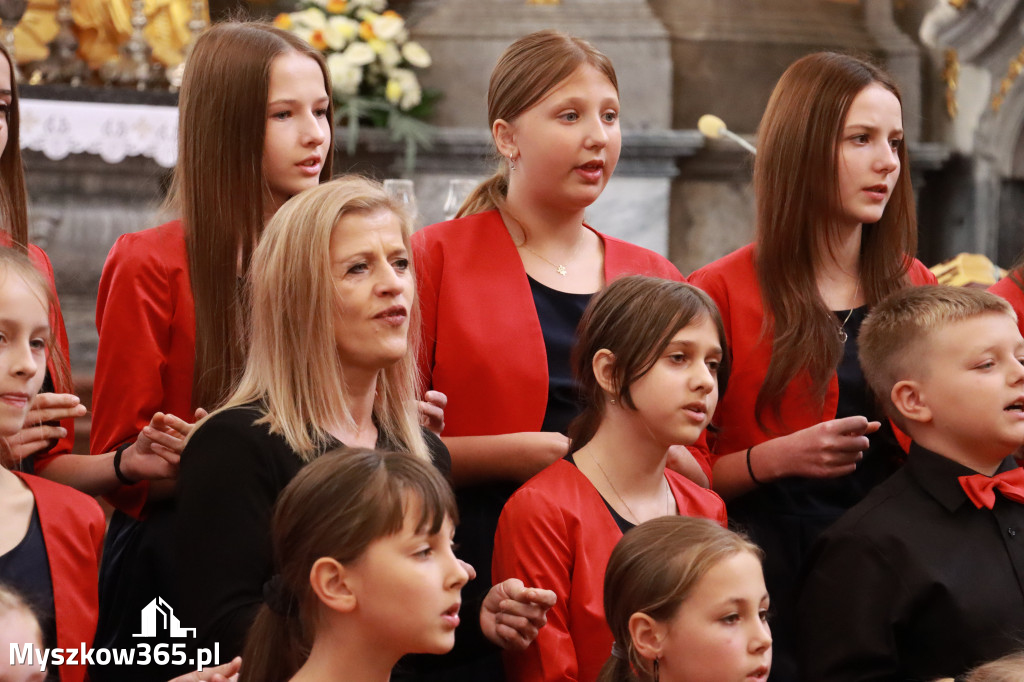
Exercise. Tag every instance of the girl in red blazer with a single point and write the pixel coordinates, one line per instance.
(50, 535)
(48, 433)
(255, 128)
(836, 232)
(502, 287)
(649, 359)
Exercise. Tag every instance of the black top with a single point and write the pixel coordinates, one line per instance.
(232, 471)
(26, 570)
(785, 517)
(914, 582)
(619, 519)
(559, 313)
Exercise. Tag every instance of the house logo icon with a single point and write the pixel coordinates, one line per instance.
(158, 616)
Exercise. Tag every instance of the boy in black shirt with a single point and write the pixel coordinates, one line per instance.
(924, 578)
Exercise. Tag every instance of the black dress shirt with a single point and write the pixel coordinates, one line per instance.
(914, 582)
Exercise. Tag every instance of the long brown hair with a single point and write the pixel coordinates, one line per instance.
(527, 70)
(335, 507)
(13, 196)
(652, 570)
(797, 194)
(635, 318)
(219, 186)
(293, 368)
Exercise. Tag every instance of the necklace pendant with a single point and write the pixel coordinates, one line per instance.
(842, 335)
(560, 269)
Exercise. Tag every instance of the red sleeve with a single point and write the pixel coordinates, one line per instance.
(65, 444)
(133, 309)
(428, 260)
(1007, 288)
(532, 544)
(72, 525)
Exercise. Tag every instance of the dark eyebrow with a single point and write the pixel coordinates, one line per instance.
(869, 128)
(685, 345)
(285, 101)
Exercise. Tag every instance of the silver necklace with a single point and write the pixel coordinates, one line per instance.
(636, 519)
(842, 327)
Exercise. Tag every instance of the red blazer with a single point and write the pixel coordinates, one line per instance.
(146, 322)
(557, 532)
(1009, 290)
(72, 524)
(42, 263)
(732, 282)
(482, 342)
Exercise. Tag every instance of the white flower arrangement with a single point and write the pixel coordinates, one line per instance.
(367, 47)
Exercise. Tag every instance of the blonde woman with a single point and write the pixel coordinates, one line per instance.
(329, 365)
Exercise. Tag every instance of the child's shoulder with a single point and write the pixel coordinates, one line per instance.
(62, 504)
(696, 500)
(882, 510)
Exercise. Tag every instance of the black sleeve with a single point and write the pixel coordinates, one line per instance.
(848, 612)
(230, 477)
(439, 454)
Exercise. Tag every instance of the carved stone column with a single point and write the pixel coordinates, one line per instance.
(989, 129)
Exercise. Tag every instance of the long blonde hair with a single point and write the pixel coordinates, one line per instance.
(293, 368)
(527, 70)
(219, 185)
(14, 263)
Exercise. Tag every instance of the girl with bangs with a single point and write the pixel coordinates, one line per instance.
(364, 571)
(836, 232)
(649, 360)
(329, 364)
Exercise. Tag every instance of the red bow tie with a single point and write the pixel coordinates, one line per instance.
(981, 488)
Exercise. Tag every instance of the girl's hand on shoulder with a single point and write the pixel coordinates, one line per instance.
(157, 451)
(682, 461)
(512, 614)
(42, 428)
(826, 450)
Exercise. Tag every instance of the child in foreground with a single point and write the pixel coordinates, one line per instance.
(365, 571)
(924, 578)
(686, 602)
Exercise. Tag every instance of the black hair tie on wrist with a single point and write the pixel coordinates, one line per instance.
(117, 464)
(750, 469)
